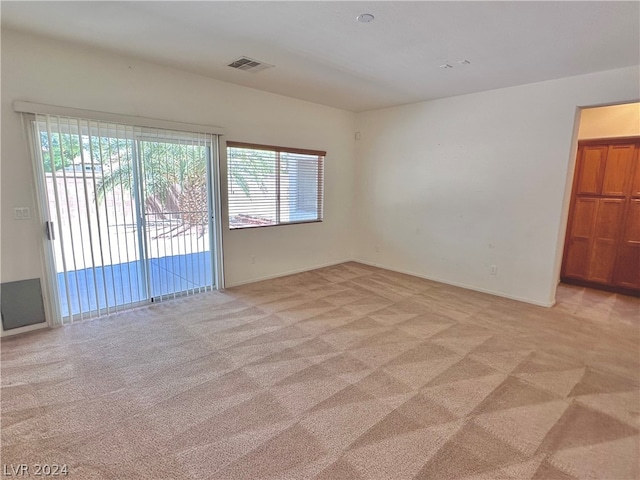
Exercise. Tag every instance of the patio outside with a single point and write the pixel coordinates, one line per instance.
(105, 268)
(130, 213)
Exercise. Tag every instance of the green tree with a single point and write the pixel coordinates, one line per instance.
(65, 148)
(58, 150)
(167, 166)
(248, 167)
(173, 178)
(173, 174)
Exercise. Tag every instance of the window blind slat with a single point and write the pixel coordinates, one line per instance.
(271, 185)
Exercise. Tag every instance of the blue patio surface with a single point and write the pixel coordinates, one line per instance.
(122, 283)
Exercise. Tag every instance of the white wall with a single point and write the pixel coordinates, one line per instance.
(51, 72)
(447, 188)
(610, 121)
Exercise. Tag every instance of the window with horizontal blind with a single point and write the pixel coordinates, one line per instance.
(273, 185)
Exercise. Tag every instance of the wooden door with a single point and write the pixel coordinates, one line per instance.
(617, 171)
(635, 182)
(627, 272)
(590, 170)
(604, 239)
(578, 251)
(602, 245)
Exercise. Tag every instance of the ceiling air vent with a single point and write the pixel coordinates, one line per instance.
(249, 64)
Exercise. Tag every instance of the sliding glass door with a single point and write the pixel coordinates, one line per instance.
(176, 215)
(129, 213)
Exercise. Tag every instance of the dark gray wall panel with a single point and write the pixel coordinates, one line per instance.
(21, 303)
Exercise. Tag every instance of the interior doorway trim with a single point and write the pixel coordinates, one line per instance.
(566, 203)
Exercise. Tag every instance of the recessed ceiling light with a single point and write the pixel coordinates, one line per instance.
(464, 62)
(446, 65)
(365, 18)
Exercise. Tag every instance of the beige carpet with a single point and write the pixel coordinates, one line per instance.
(348, 372)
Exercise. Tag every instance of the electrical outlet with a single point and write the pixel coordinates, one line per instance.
(253, 259)
(377, 248)
(494, 270)
(21, 213)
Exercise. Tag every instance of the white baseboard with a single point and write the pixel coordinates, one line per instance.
(419, 275)
(38, 326)
(461, 285)
(287, 273)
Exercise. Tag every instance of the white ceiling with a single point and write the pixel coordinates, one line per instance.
(321, 54)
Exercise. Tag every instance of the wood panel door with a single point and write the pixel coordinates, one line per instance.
(627, 273)
(590, 169)
(604, 239)
(602, 246)
(578, 248)
(635, 181)
(617, 172)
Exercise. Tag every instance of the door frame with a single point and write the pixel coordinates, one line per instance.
(568, 190)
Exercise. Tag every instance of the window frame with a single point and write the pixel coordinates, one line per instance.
(278, 150)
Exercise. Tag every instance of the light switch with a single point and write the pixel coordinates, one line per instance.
(22, 213)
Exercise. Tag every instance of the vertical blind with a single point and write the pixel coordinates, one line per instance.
(128, 211)
(270, 185)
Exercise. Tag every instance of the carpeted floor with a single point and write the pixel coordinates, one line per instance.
(348, 372)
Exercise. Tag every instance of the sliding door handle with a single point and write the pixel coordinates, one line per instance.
(51, 234)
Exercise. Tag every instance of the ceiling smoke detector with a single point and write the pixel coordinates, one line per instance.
(365, 18)
(249, 64)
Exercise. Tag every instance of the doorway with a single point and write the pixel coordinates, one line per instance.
(602, 243)
(129, 213)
